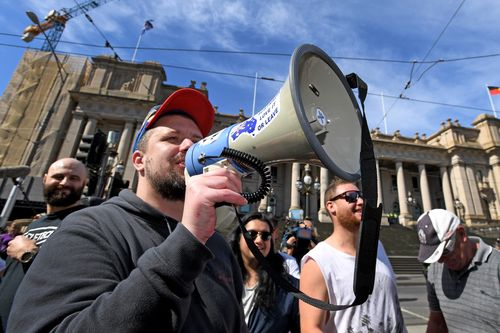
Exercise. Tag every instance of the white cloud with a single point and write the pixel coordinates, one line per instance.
(400, 30)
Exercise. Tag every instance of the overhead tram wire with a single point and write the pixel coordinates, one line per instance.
(492, 55)
(409, 83)
(281, 81)
(433, 102)
(107, 43)
(439, 37)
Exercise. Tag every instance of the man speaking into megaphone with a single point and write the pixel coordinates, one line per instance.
(145, 261)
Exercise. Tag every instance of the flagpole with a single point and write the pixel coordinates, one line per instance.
(384, 113)
(491, 101)
(254, 93)
(137, 46)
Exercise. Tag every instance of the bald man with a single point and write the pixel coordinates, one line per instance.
(63, 185)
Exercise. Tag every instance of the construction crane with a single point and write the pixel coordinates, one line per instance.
(55, 22)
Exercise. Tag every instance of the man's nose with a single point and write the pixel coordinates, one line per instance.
(185, 144)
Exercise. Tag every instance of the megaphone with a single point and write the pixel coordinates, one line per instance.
(314, 119)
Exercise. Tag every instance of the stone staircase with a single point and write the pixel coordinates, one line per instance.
(406, 265)
(399, 240)
(401, 244)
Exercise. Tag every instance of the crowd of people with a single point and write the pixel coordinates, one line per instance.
(154, 259)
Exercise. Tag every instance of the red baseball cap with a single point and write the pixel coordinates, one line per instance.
(186, 101)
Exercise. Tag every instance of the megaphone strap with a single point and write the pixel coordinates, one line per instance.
(364, 271)
(280, 278)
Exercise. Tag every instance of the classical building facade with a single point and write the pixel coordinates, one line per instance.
(44, 113)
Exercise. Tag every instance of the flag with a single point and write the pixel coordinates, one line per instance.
(147, 26)
(494, 90)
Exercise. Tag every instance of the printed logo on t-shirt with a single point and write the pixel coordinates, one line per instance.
(40, 235)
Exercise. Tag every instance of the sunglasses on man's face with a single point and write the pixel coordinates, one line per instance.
(349, 196)
(264, 235)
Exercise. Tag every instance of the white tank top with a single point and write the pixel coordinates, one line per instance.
(380, 313)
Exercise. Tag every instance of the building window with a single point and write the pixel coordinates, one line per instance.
(414, 184)
(394, 183)
(274, 174)
(479, 176)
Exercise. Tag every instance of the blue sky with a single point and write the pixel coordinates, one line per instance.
(401, 31)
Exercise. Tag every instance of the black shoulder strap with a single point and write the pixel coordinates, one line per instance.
(366, 258)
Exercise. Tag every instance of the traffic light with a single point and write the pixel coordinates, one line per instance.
(91, 149)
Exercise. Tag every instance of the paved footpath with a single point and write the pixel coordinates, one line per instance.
(416, 328)
(413, 300)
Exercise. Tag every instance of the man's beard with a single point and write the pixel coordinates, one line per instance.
(57, 197)
(170, 185)
(349, 223)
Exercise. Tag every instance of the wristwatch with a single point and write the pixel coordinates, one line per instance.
(27, 256)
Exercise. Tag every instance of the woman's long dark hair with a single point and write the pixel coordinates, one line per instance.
(266, 290)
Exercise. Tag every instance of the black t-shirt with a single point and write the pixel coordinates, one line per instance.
(39, 230)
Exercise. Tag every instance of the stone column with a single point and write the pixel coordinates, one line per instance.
(71, 141)
(295, 197)
(124, 144)
(90, 127)
(130, 173)
(379, 185)
(324, 181)
(448, 195)
(463, 192)
(424, 188)
(495, 182)
(474, 193)
(404, 213)
(263, 205)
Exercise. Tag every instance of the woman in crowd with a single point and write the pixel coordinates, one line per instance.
(267, 307)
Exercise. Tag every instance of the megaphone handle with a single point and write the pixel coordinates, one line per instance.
(251, 162)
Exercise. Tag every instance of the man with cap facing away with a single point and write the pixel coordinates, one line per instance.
(463, 287)
(148, 261)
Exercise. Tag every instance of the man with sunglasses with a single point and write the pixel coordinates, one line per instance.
(463, 276)
(328, 273)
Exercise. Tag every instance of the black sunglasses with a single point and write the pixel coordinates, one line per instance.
(349, 196)
(264, 235)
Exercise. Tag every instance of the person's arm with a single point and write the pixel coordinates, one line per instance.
(85, 280)
(22, 249)
(313, 284)
(82, 281)
(436, 323)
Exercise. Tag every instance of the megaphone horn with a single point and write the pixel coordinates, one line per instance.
(313, 119)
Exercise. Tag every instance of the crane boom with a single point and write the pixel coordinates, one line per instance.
(55, 22)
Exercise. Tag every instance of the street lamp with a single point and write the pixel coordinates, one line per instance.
(459, 208)
(107, 161)
(307, 187)
(32, 16)
(271, 202)
(412, 202)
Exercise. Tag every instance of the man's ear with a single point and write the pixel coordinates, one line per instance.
(461, 233)
(331, 208)
(138, 160)
(44, 179)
